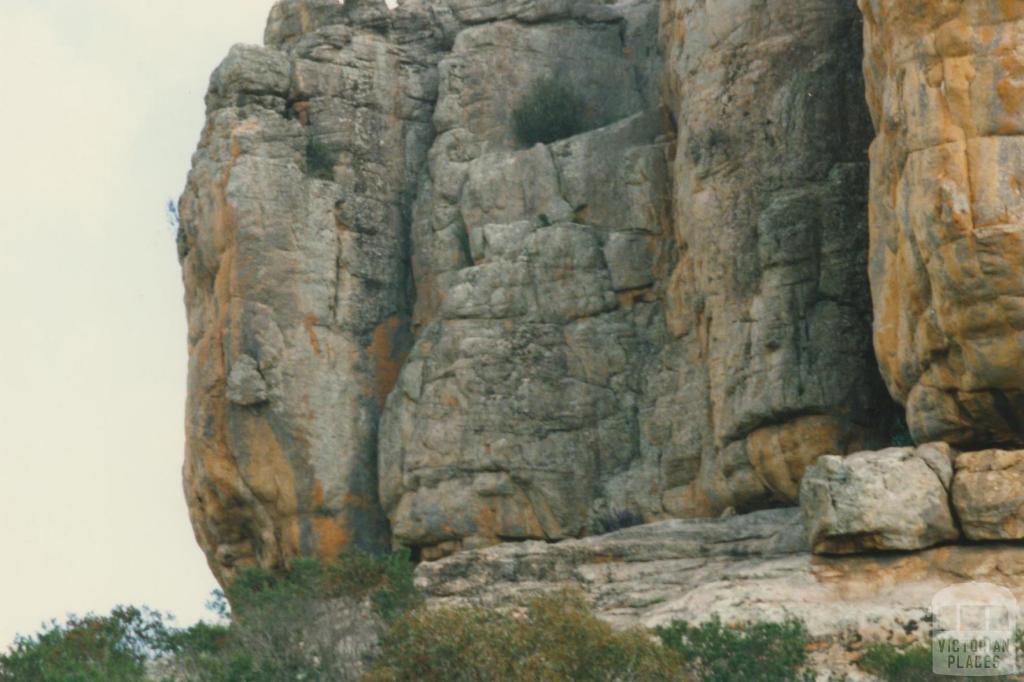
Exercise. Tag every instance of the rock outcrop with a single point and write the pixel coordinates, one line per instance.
(895, 499)
(769, 294)
(944, 87)
(407, 328)
(742, 569)
(988, 494)
(522, 408)
(295, 255)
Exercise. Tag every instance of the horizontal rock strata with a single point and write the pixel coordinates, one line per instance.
(742, 569)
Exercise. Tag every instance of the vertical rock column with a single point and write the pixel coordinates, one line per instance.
(295, 259)
(525, 409)
(770, 291)
(945, 83)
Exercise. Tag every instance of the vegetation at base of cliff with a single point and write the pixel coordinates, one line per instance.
(268, 639)
(552, 110)
(282, 630)
(91, 648)
(914, 663)
(759, 652)
(553, 637)
(387, 581)
(889, 663)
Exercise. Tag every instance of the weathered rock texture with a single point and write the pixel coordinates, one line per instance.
(769, 294)
(522, 409)
(895, 499)
(295, 257)
(988, 493)
(944, 83)
(407, 328)
(742, 569)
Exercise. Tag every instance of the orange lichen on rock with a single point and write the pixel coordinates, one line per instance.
(947, 214)
(387, 352)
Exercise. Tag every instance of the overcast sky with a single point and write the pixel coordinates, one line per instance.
(102, 109)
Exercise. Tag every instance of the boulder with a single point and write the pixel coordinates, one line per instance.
(988, 494)
(893, 499)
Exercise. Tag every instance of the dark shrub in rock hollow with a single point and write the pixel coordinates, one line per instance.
(551, 110)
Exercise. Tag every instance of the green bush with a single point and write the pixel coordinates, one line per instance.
(551, 110)
(270, 638)
(914, 664)
(320, 159)
(760, 652)
(889, 663)
(91, 648)
(553, 637)
(387, 581)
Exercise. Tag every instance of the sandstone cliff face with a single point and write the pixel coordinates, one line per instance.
(522, 410)
(405, 328)
(770, 294)
(295, 256)
(945, 93)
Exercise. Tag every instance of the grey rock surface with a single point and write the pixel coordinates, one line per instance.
(407, 328)
(893, 499)
(769, 196)
(522, 405)
(294, 248)
(742, 569)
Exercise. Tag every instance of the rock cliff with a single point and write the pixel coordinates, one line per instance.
(409, 328)
(944, 86)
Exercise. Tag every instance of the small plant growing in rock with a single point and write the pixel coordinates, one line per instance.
(759, 652)
(616, 519)
(320, 159)
(551, 110)
(173, 217)
(900, 433)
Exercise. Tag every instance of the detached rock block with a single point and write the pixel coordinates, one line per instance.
(988, 494)
(893, 499)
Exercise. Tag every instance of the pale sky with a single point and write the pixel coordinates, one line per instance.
(102, 108)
